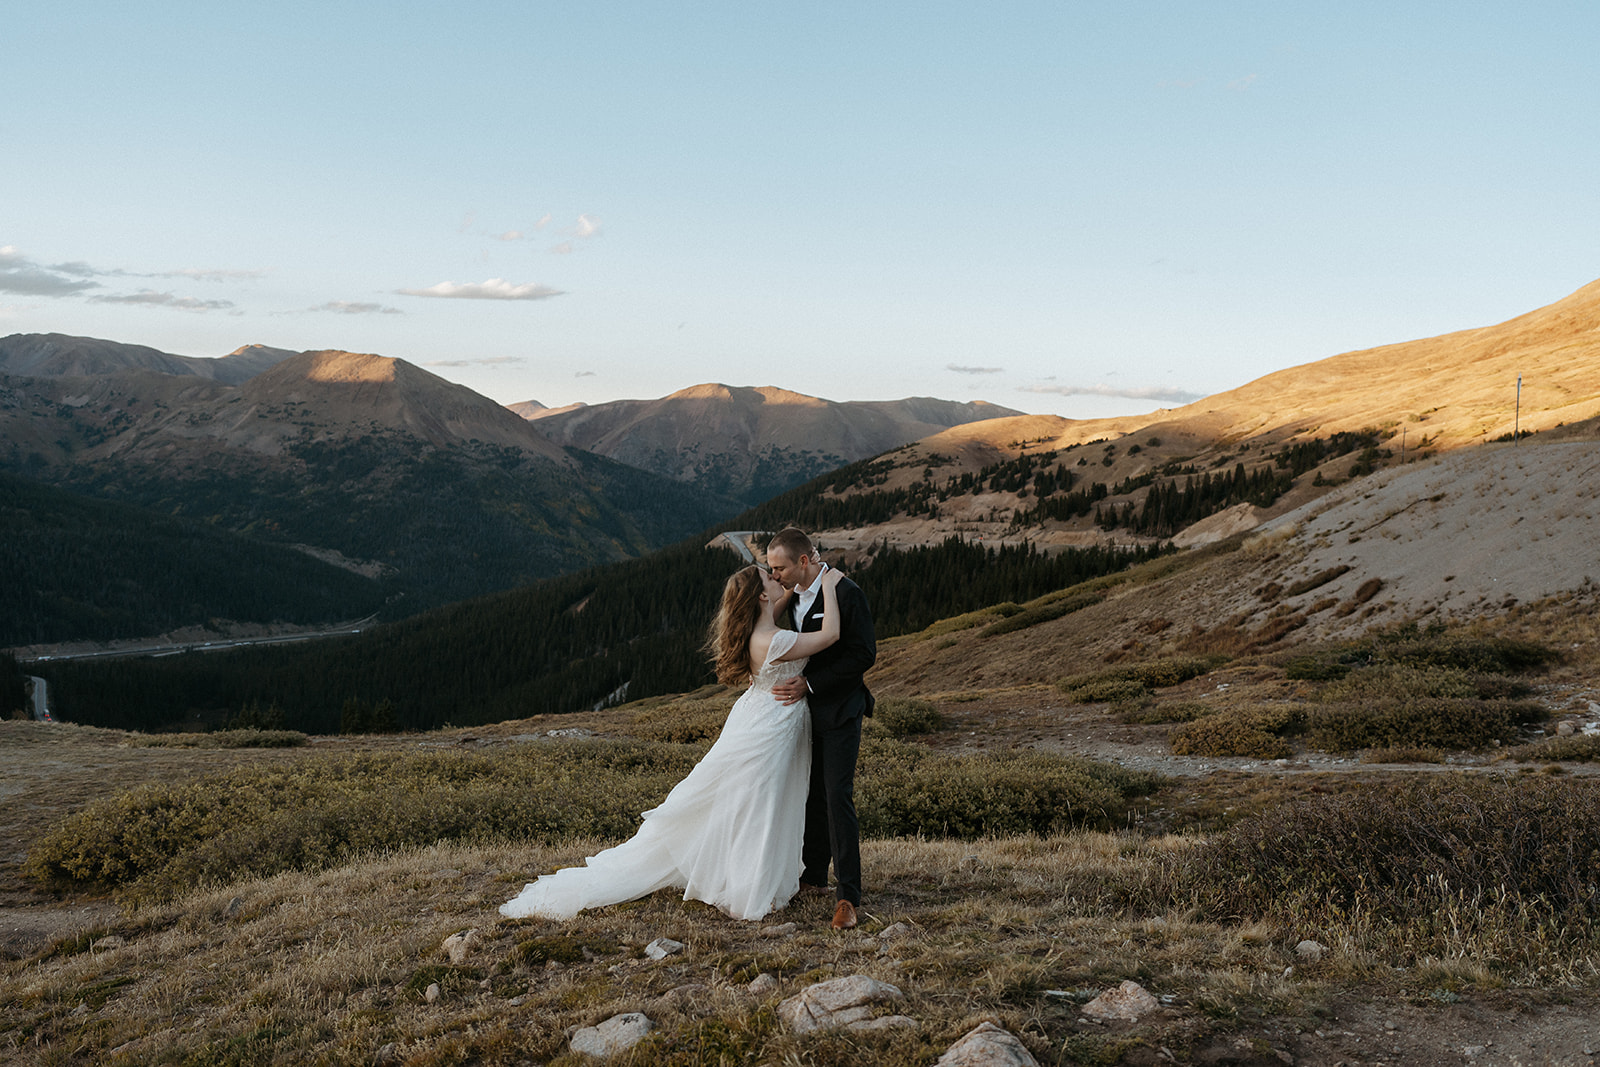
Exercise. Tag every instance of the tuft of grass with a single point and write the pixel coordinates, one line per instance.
(245, 738)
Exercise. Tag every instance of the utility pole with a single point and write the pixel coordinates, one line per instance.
(1516, 423)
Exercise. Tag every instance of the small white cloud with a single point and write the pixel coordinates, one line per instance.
(509, 235)
(152, 298)
(543, 222)
(562, 249)
(486, 361)
(587, 226)
(1180, 396)
(959, 369)
(493, 289)
(356, 307)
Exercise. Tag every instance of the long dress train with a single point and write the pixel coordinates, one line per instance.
(728, 834)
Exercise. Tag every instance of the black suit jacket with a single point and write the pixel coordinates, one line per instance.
(838, 693)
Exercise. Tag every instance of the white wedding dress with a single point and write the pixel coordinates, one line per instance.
(728, 834)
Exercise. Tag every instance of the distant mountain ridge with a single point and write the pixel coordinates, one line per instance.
(369, 456)
(751, 442)
(56, 355)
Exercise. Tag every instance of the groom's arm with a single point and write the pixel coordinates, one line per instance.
(856, 651)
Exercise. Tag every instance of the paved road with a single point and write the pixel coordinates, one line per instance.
(41, 702)
(171, 649)
(736, 540)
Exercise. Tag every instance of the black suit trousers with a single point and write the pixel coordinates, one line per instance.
(832, 829)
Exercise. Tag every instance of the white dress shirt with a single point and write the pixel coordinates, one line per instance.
(804, 598)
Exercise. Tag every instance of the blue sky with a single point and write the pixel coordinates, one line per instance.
(1082, 209)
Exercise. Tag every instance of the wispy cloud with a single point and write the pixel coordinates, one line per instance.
(152, 298)
(562, 249)
(485, 361)
(493, 289)
(356, 307)
(543, 222)
(509, 235)
(1179, 396)
(959, 369)
(587, 226)
(208, 274)
(21, 275)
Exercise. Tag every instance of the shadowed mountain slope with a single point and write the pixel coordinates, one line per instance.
(55, 355)
(751, 442)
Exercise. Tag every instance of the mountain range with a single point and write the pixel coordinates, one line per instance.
(750, 443)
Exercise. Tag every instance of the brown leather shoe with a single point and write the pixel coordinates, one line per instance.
(844, 916)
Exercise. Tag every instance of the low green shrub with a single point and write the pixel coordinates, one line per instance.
(1402, 754)
(1402, 682)
(1043, 610)
(1447, 864)
(906, 716)
(1435, 648)
(910, 790)
(1249, 730)
(1431, 722)
(1150, 714)
(682, 721)
(1577, 748)
(981, 617)
(1135, 679)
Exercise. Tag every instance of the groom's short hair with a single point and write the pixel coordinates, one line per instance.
(795, 543)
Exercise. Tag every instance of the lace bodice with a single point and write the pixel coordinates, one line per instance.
(773, 672)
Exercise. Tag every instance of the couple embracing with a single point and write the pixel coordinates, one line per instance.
(772, 804)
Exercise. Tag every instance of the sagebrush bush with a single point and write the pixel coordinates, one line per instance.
(1135, 679)
(1429, 722)
(1443, 863)
(683, 721)
(906, 716)
(907, 789)
(1248, 730)
(1043, 610)
(1436, 647)
(1402, 754)
(157, 841)
(1578, 747)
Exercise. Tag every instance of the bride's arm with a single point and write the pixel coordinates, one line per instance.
(812, 643)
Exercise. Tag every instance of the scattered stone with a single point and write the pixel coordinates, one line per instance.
(235, 906)
(763, 984)
(431, 995)
(662, 947)
(109, 942)
(782, 930)
(517, 1002)
(1309, 951)
(1472, 1050)
(889, 933)
(682, 994)
(617, 1034)
(1128, 1002)
(1566, 728)
(1389, 1024)
(459, 946)
(554, 965)
(886, 1022)
(987, 1046)
(571, 731)
(386, 1055)
(80, 1011)
(839, 1002)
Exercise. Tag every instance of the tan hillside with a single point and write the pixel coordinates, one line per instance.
(54, 355)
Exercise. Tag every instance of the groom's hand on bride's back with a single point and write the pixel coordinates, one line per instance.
(792, 691)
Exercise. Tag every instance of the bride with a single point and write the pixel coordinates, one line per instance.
(730, 833)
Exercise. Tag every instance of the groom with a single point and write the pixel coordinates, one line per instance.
(838, 699)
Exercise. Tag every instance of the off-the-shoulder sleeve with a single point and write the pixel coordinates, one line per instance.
(782, 641)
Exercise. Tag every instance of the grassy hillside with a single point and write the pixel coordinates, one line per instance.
(73, 568)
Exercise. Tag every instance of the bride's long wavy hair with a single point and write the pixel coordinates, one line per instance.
(728, 644)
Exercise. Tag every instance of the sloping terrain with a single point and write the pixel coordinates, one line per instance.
(751, 442)
(55, 355)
